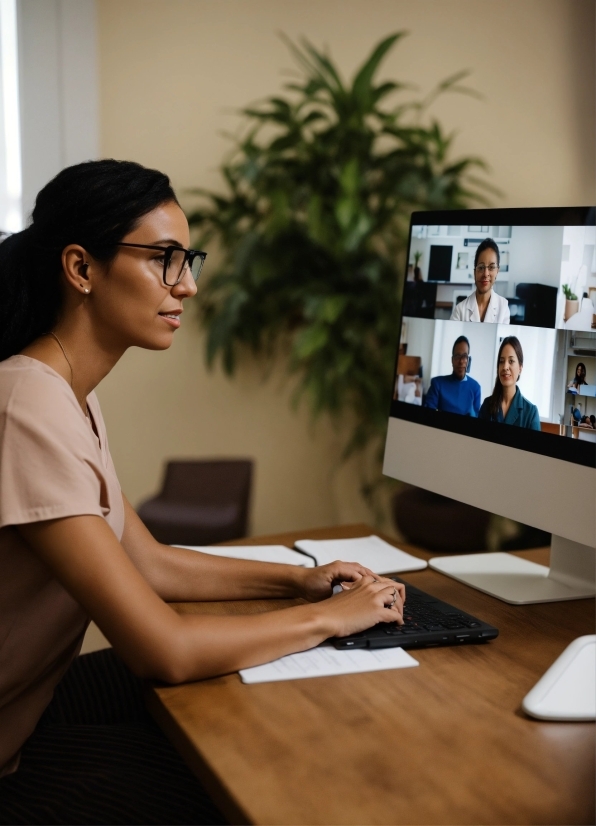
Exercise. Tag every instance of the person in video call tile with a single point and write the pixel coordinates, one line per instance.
(458, 392)
(506, 404)
(484, 304)
(579, 378)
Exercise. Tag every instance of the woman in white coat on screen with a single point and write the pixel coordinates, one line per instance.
(484, 304)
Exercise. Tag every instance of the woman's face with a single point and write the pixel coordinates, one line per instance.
(486, 271)
(129, 302)
(509, 367)
(580, 371)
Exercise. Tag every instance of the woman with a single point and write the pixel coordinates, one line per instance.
(506, 404)
(484, 304)
(579, 378)
(105, 266)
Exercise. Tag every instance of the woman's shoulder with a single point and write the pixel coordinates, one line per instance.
(524, 401)
(529, 409)
(27, 382)
(457, 314)
(484, 412)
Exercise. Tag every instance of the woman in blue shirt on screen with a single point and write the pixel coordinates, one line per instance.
(506, 404)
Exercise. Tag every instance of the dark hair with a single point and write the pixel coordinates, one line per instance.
(94, 204)
(577, 381)
(496, 398)
(460, 340)
(487, 244)
(593, 420)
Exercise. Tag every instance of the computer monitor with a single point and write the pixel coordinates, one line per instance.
(505, 430)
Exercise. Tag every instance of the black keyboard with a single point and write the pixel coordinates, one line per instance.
(428, 622)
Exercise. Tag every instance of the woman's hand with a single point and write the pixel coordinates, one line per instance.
(363, 601)
(362, 604)
(317, 583)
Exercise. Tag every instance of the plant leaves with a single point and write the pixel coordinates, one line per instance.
(362, 84)
(311, 229)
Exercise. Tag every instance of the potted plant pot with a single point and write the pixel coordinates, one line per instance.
(571, 308)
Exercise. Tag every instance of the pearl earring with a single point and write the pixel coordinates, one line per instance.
(86, 290)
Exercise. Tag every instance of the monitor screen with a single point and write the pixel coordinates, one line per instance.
(498, 329)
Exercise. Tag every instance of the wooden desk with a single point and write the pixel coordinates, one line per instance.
(444, 743)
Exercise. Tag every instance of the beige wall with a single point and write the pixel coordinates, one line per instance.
(171, 74)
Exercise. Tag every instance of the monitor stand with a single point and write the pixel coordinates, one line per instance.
(520, 582)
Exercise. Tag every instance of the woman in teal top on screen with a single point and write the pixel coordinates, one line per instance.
(506, 404)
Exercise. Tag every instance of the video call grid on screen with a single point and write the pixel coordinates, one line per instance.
(539, 252)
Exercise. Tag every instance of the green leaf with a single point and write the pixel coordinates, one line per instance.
(309, 341)
(361, 86)
(345, 211)
(325, 309)
(349, 178)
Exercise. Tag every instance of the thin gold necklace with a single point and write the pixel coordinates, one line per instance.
(86, 410)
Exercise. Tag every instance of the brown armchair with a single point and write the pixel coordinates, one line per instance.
(201, 502)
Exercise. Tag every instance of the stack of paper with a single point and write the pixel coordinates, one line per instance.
(326, 661)
(258, 553)
(371, 551)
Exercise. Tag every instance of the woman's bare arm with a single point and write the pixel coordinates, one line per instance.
(87, 558)
(180, 575)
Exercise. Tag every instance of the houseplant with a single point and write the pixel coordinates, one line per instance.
(313, 229)
(571, 302)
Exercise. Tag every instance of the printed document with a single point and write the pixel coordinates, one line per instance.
(326, 661)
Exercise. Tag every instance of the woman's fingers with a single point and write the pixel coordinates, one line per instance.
(378, 597)
(348, 571)
(393, 602)
(387, 589)
(384, 582)
(401, 590)
(365, 603)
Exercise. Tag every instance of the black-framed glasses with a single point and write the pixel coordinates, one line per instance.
(175, 259)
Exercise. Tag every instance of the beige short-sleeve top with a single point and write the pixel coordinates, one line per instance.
(52, 465)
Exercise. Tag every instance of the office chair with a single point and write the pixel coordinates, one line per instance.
(201, 502)
(439, 524)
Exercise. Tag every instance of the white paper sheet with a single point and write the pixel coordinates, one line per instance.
(259, 553)
(372, 551)
(326, 661)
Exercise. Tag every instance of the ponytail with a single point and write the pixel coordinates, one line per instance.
(29, 302)
(94, 204)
